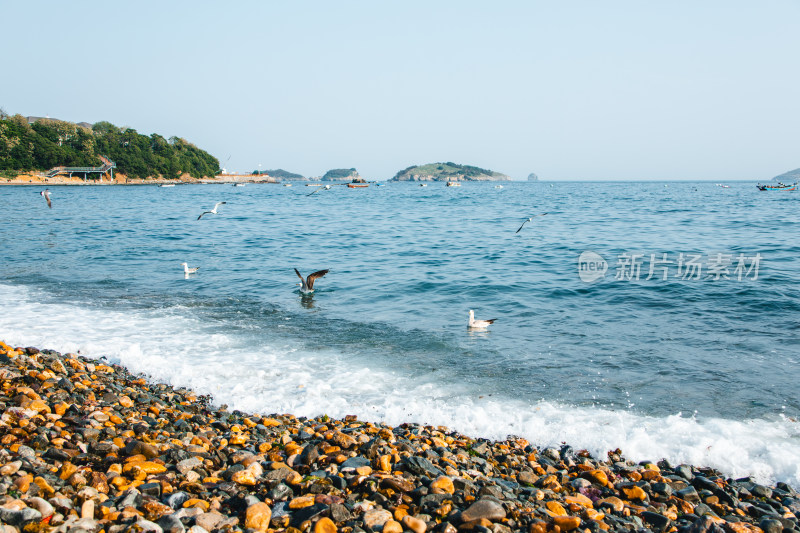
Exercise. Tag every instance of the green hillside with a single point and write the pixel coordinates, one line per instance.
(48, 143)
(447, 172)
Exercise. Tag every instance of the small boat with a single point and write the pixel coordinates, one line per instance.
(453, 184)
(498, 186)
(238, 184)
(423, 184)
(779, 187)
(287, 184)
(723, 186)
(357, 185)
(167, 185)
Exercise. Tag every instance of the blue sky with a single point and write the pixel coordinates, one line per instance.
(565, 89)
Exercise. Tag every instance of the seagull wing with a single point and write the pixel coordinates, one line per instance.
(216, 205)
(315, 275)
(203, 213)
(526, 220)
(299, 275)
(49, 203)
(314, 191)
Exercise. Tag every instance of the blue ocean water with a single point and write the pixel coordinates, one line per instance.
(699, 367)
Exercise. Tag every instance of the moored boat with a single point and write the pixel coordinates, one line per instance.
(356, 185)
(778, 187)
(453, 184)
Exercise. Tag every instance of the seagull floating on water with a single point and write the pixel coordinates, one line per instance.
(213, 211)
(478, 323)
(187, 270)
(528, 220)
(321, 187)
(46, 194)
(308, 282)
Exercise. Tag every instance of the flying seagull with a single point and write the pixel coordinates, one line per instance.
(478, 323)
(528, 220)
(213, 211)
(308, 283)
(46, 194)
(187, 270)
(321, 187)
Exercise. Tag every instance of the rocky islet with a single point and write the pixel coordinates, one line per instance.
(88, 446)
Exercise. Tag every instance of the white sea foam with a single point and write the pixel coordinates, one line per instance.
(254, 376)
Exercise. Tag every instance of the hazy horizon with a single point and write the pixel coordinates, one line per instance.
(617, 91)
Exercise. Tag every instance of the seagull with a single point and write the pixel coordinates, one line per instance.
(528, 220)
(326, 187)
(187, 270)
(308, 283)
(46, 194)
(478, 323)
(213, 211)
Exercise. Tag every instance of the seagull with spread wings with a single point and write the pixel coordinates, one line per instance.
(528, 220)
(46, 194)
(213, 211)
(308, 282)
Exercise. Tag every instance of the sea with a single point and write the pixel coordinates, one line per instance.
(660, 318)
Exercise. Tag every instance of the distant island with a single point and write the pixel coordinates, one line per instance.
(789, 177)
(448, 172)
(40, 143)
(282, 175)
(533, 177)
(341, 174)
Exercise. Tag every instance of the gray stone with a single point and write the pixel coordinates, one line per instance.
(664, 489)
(339, 513)
(280, 492)
(685, 471)
(280, 474)
(702, 509)
(375, 518)
(147, 525)
(41, 505)
(208, 521)
(658, 523)
(188, 465)
(487, 508)
(14, 517)
(770, 525)
(129, 498)
(760, 491)
(420, 466)
(353, 463)
(175, 499)
(689, 494)
(580, 483)
(171, 524)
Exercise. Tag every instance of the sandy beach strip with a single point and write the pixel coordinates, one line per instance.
(88, 446)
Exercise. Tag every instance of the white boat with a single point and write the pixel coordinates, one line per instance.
(498, 186)
(423, 184)
(167, 185)
(453, 184)
(287, 184)
(238, 184)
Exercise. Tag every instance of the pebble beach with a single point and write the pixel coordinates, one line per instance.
(89, 446)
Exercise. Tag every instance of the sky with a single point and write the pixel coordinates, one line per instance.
(569, 90)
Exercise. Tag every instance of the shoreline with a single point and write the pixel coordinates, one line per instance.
(88, 445)
(121, 179)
